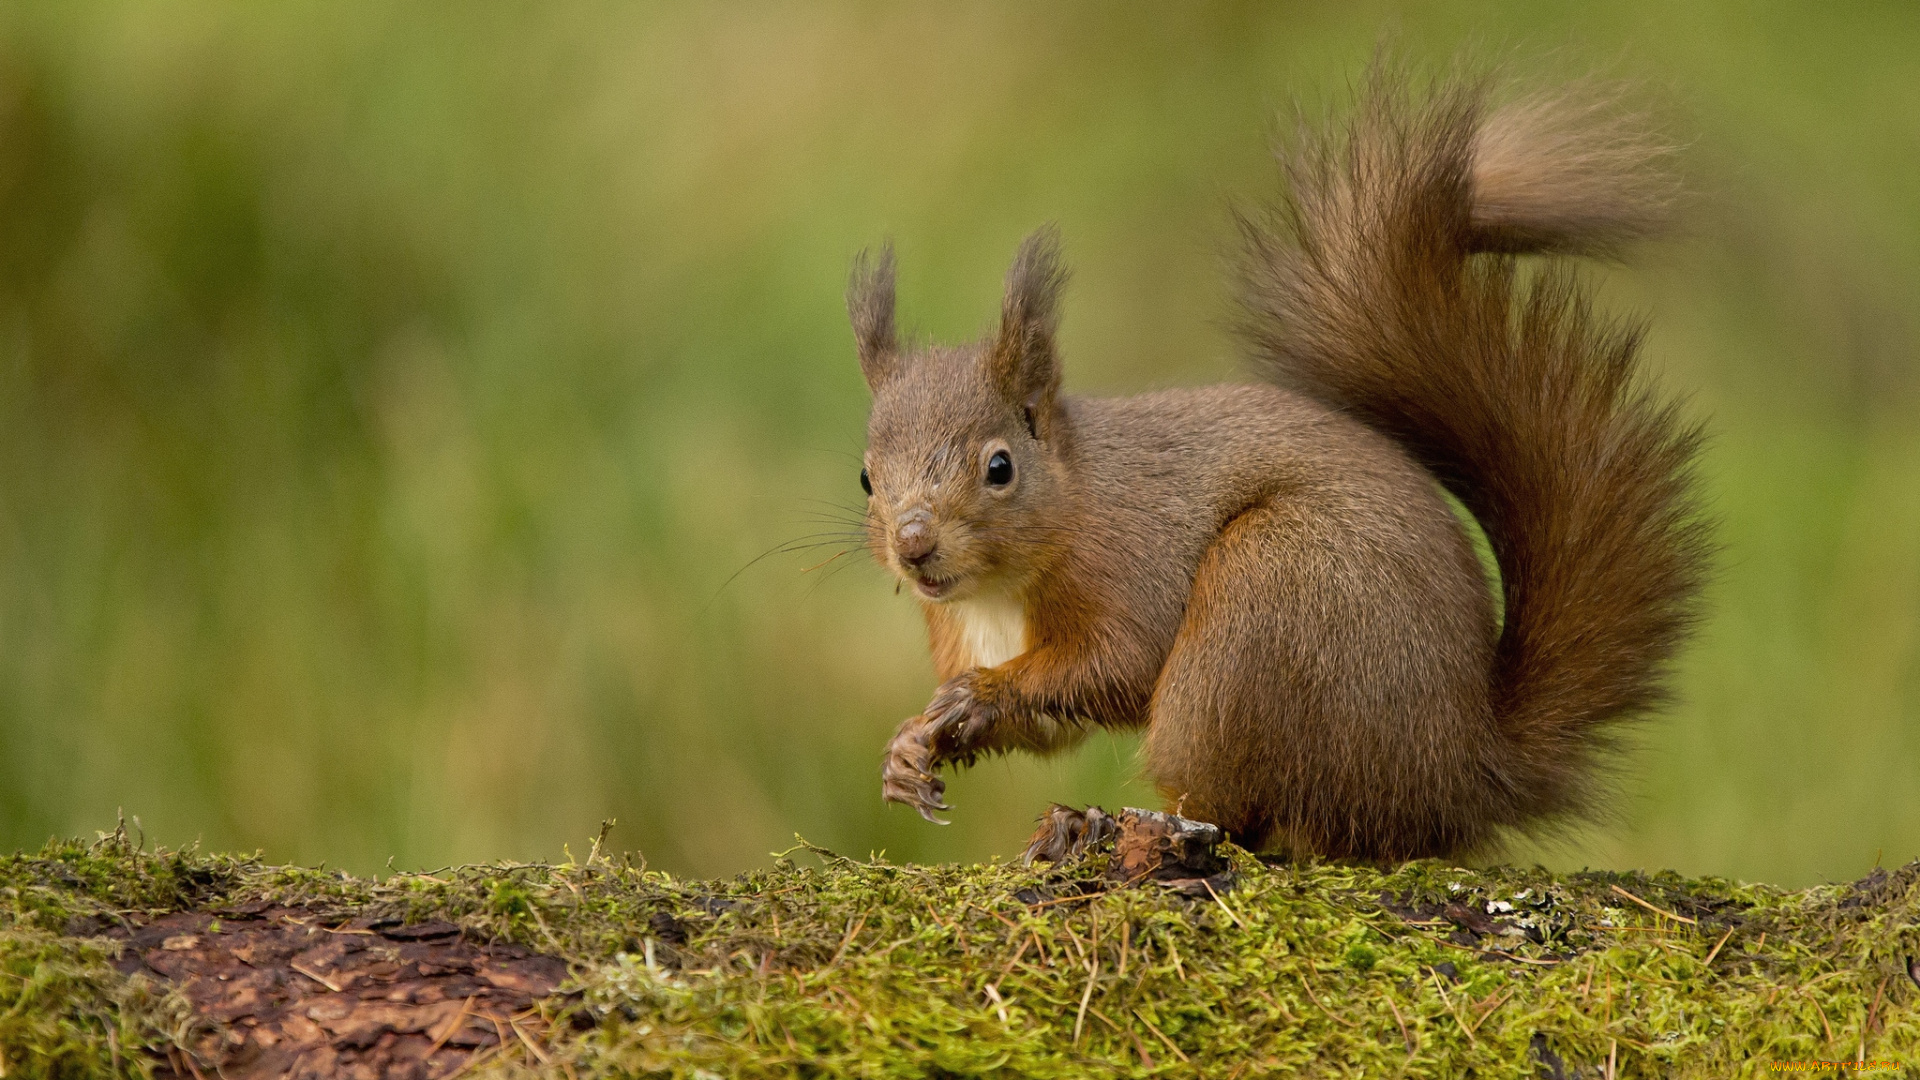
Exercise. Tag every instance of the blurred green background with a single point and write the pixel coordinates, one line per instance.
(389, 395)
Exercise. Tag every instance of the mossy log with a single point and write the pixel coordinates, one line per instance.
(118, 961)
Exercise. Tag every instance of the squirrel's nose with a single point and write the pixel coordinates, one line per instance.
(914, 541)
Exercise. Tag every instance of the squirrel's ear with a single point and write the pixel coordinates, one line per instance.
(870, 305)
(1024, 360)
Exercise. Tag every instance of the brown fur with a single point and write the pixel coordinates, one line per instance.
(1266, 576)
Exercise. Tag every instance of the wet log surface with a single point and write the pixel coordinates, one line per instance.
(282, 992)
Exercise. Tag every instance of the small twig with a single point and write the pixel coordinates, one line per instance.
(1650, 907)
(316, 977)
(1708, 962)
(1162, 1036)
(1126, 939)
(1871, 1011)
(1613, 1056)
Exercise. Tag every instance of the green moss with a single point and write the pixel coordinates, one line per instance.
(849, 968)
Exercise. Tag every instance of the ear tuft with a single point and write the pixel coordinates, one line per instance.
(870, 305)
(1025, 359)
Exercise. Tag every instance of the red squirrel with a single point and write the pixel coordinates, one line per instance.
(1267, 576)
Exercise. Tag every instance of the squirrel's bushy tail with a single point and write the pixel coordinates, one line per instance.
(1386, 285)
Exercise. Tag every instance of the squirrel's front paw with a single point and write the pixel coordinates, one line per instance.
(958, 718)
(906, 776)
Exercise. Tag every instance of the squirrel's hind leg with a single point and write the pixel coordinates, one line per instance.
(1306, 701)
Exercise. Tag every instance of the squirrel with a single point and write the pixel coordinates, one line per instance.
(1267, 577)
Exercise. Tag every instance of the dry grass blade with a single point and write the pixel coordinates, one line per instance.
(1824, 1022)
(1086, 998)
(1307, 985)
(1652, 908)
(1405, 1035)
(1496, 953)
(1451, 1007)
(999, 1004)
(1708, 962)
(1223, 904)
(853, 929)
(1162, 1036)
(529, 1043)
(1146, 1059)
(316, 977)
(1491, 1009)
(459, 1018)
(1068, 899)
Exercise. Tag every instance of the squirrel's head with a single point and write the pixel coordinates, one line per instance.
(964, 444)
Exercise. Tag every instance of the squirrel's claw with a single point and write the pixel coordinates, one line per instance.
(948, 732)
(957, 719)
(906, 776)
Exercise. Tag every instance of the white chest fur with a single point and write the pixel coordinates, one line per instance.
(993, 627)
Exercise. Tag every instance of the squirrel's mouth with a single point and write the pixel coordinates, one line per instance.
(931, 587)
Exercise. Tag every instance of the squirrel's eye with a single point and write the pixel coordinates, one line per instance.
(866, 484)
(1000, 469)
